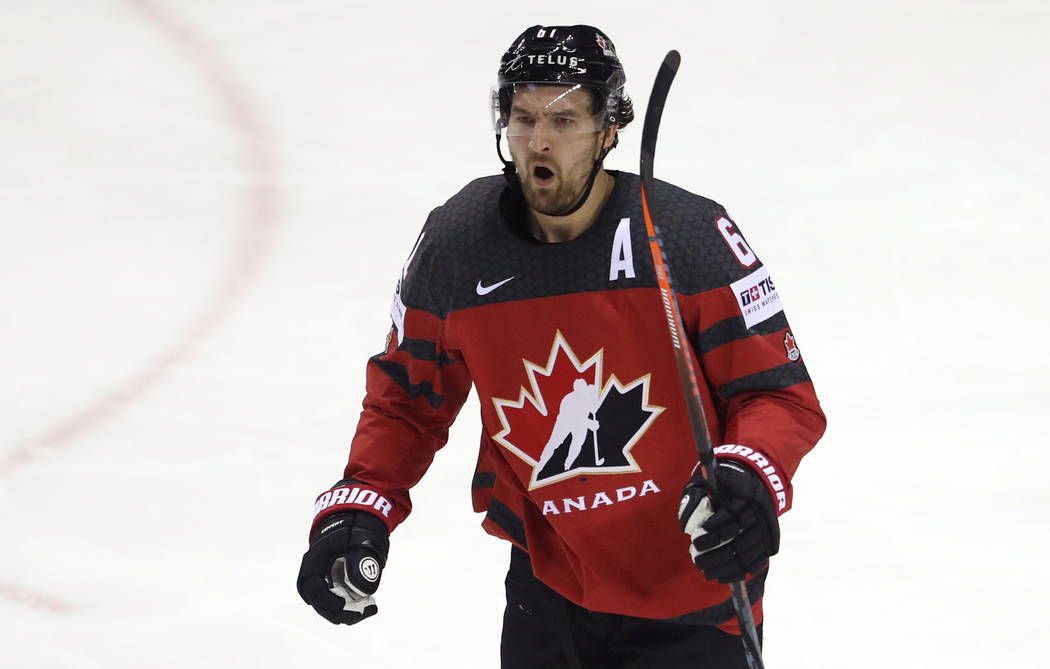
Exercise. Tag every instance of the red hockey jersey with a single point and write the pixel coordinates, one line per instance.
(586, 443)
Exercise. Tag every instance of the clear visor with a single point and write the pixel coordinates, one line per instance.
(556, 109)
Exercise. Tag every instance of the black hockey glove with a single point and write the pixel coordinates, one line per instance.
(341, 570)
(738, 535)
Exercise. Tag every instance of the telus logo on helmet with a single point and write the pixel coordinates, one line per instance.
(545, 59)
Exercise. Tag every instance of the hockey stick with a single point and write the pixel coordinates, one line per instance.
(598, 460)
(686, 364)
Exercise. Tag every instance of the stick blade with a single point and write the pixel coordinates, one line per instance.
(673, 59)
(655, 109)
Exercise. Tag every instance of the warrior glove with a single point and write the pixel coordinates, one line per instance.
(735, 534)
(341, 570)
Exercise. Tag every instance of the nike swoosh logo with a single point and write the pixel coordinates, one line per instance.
(485, 290)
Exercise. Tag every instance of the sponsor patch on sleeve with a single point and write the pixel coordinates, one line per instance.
(397, 307)
(757, 297)
(397, 315)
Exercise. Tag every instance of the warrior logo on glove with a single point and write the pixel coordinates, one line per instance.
(369, 569)
(572, 419)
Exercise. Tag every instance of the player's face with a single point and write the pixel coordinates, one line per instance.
(555, 137)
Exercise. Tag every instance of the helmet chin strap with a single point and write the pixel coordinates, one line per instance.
(510, 173)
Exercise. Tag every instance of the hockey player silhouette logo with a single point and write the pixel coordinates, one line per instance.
(572, 420)
(575, 420)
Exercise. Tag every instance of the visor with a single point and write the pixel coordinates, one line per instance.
(525, 108)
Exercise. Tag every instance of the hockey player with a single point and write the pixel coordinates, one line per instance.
(536, 288)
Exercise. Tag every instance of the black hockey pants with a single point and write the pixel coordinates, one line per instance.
(543, 630)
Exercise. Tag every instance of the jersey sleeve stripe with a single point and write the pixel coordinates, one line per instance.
(777, 378)
(733, 329)
(426, 350)
(710, 307)
(483, 480)
(398, 373)
(506, 520)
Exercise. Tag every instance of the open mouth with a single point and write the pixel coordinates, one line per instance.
(543, 176)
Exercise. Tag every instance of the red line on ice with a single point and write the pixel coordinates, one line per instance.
(34, 600)
(261, 199)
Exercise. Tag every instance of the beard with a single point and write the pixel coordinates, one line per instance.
(557, 198)
(568, 186)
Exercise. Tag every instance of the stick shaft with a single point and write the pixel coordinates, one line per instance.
(687, 365)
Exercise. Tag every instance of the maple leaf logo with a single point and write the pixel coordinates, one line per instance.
(790, 348)
(572, 420)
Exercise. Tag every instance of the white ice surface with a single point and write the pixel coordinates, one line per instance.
(204, 206)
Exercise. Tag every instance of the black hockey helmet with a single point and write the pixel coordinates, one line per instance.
(573, 55)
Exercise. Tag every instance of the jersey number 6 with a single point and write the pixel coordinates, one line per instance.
(736, 242)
